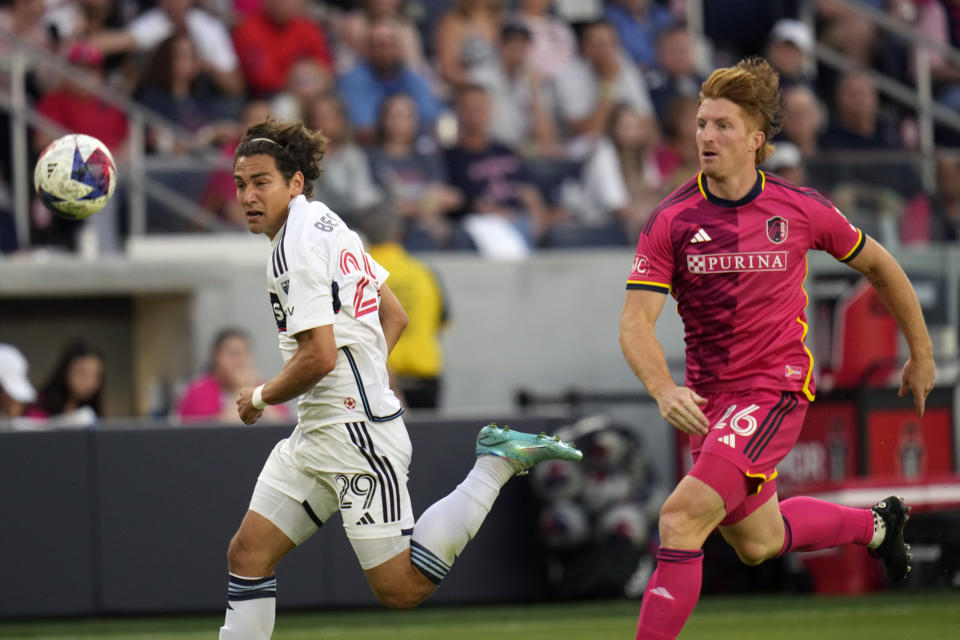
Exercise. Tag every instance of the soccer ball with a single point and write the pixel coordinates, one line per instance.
(75, 176)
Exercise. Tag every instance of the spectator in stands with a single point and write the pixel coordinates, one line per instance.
(522, 102)
(787, 162)
(856, 123)
(353, 26)
(307, 80)
(16, 392)
(676, 71)
(861, 40)
(383, 72)
(677, 155)
(413, 177)
(345, 184)
(491, 175)
(209, 35)
(589, 89)
(621, 177)
(863, 180)
(82, 19)
(553, 45)
(638, 22)
(210, 397)
(788, 48)
(803, 119)
(72, 395)
(415, 365)
(271, 41)
(933, 23)
(220, 194)
(466, 36)
(81, 110)
(175, 86)
(945, 218)
(25, 19)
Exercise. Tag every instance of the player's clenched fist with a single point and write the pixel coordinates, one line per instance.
(248, 413)
(680, 406)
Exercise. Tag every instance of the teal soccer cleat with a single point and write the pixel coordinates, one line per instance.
(523, 449)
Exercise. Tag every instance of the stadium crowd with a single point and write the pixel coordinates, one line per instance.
(497, 125)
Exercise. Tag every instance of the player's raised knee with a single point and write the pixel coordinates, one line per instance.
(246, 559)
(754, 553)
(397, 599)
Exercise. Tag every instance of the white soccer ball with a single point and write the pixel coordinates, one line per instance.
(75, 176)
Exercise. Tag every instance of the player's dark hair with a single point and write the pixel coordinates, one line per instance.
(292, 145)
(754, 86)
(54, 395)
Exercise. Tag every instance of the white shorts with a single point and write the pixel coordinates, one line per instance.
(358, 468)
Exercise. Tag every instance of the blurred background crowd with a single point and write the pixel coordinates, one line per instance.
(498, 126)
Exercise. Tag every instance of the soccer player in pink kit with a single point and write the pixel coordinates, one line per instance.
(730, 245)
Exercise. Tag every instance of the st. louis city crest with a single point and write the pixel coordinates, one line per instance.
(777, 229)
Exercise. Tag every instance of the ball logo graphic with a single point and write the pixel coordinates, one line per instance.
(350, 403)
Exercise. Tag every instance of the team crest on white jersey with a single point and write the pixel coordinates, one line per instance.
(776, 229)
(737, 262)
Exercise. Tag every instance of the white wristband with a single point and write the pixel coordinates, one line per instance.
(257, 399)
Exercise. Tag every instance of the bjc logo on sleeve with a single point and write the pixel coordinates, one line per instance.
(641, 265)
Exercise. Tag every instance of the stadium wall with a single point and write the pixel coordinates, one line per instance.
(137, 520)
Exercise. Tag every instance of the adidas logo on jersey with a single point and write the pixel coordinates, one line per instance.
(366, 519)
(730, 440)
(700, 236)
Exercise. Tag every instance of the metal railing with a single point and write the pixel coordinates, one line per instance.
(919, 98)
(25, 56)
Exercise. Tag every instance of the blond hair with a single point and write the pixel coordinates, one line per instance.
(754, 86)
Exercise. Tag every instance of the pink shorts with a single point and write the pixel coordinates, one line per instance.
(752, 432)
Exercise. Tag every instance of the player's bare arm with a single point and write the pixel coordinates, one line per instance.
(393, 319)
(680, 406)
(894, 288)
(316, 356)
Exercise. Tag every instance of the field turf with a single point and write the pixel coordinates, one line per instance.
(888, 616)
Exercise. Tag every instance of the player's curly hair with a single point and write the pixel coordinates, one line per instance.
(754, 86)
(292, 145)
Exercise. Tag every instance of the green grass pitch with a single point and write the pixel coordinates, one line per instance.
(892, 615)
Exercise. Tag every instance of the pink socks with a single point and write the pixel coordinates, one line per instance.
(813, 524)
(671, 594)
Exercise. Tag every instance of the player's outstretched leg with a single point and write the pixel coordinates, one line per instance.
(811, 524)
(444, 529)
(523, 450)
(891, 516)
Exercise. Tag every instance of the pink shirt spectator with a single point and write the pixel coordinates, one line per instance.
(205, 400)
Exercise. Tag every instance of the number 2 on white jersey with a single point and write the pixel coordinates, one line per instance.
(367, 296)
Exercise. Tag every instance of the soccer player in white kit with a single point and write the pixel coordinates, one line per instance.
(350, 451)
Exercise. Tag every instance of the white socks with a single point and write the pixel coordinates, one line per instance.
(251, 608)
(879, 531)
(445, 528)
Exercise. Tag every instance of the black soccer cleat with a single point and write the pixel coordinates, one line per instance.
(893, 551)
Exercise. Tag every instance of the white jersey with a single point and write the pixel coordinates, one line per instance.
(319, 274)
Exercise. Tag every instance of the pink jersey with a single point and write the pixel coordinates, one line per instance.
(737, 270)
